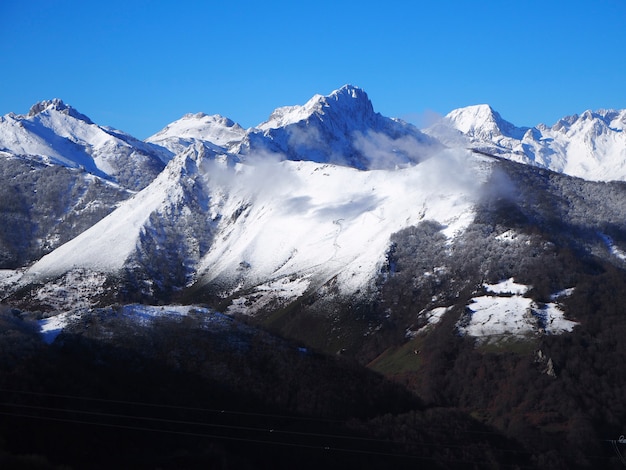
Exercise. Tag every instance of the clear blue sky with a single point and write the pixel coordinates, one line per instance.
(138, 65)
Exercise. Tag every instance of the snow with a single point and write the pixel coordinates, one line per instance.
(323, 220)
(508, 236)
(74, 290)
(346, 98)
(590, 146)
(9, 277)
(613, 248)
(432, 317)
(52, 327)
(282, 219)
(213, 129)
(509, 314)
(108, 244)
(146, 314)
(508, 286)
(275, 293)
(562, 293)
(57, 134)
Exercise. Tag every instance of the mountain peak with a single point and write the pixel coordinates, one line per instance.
(57, 105)
(348, 98)
(473, 116)
(346, 101)
(350, 92)
(482, 121)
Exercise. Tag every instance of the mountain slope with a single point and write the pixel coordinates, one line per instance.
(55, 133)
(236, 227)
(43, 206)
(166, 219)
(487, 287)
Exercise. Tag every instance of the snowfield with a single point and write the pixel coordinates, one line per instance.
(318, 221)
(507, 313)
(276, 220)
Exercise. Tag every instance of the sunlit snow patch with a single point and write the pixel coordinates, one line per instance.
(432, 317)
(508, 286)
(52, 327)
(274, 294)
(507, 313)
(613, 248)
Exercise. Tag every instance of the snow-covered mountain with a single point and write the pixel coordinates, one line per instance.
(43, 206)
(289, 224)
(55, 133)
(590, 146)
(341, 128)
(212, 130)
(455, 261)
(316, 198)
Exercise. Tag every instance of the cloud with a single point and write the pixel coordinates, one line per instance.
(350, 209)
(384, 152)
(442, 130)
(422, 120)
(453, 168)
(303, 137)
(261, 173)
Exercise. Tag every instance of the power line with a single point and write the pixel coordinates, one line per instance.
(274, 431)
(192, 423)
(175, 407)
(222, 411)
(241, 439)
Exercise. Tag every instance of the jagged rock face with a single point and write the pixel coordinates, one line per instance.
(341, 128)
(57, 105)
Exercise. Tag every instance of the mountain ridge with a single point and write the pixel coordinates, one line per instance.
(456, 262)
(55, 133)
(590, 145)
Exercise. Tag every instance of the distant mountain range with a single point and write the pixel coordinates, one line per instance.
(410, 251)
(591, 146)
(312, 196)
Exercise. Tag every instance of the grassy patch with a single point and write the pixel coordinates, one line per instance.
(397, 360)
(509, 344)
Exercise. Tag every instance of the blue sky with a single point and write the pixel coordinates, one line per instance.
(138, 65)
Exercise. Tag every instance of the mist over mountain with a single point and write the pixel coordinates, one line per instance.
(467, 277)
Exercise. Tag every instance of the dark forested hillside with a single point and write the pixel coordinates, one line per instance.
(557, 396)
(251, 308)
(44, 206)
(111, 392)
